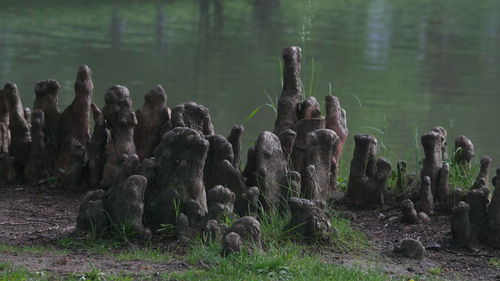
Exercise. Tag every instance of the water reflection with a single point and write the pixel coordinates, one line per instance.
(218, 15)
(378, 34)
(118, 29)
(489, 37)
(422, 29)
(160, 30)
(210, 30)
(211, 22)
(420, 63)
(265, 21)
(4, 53)
(442, 64)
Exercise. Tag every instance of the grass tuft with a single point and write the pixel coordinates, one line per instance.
(461, 176)
(345, 237)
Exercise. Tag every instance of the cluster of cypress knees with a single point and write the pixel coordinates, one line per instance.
(159, 166)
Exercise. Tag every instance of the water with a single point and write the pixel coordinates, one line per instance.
(399, 67)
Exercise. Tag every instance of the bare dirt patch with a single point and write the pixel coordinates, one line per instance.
(65, 264)
(36, 215)
(441, 259)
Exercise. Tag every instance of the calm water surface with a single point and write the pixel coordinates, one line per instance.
(399, 67)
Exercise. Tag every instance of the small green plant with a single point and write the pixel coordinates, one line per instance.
(273, 104)
(93, 235)
(167, 230)
(393, 179)
(342, 183)
(494, 262)
(125, 232)
(177, 206)
(437, 270)
(51, 180)
(228, 220)
(94, 275)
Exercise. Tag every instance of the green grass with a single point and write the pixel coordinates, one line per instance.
(92, 246)
(345, 237)
(144, 254)
(463, 178)
(9, 272)
(118, 249)
(279, 261)
(282, 257)
(32, 249)
(272, 225)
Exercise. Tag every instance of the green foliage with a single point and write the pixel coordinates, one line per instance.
(281, 259)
